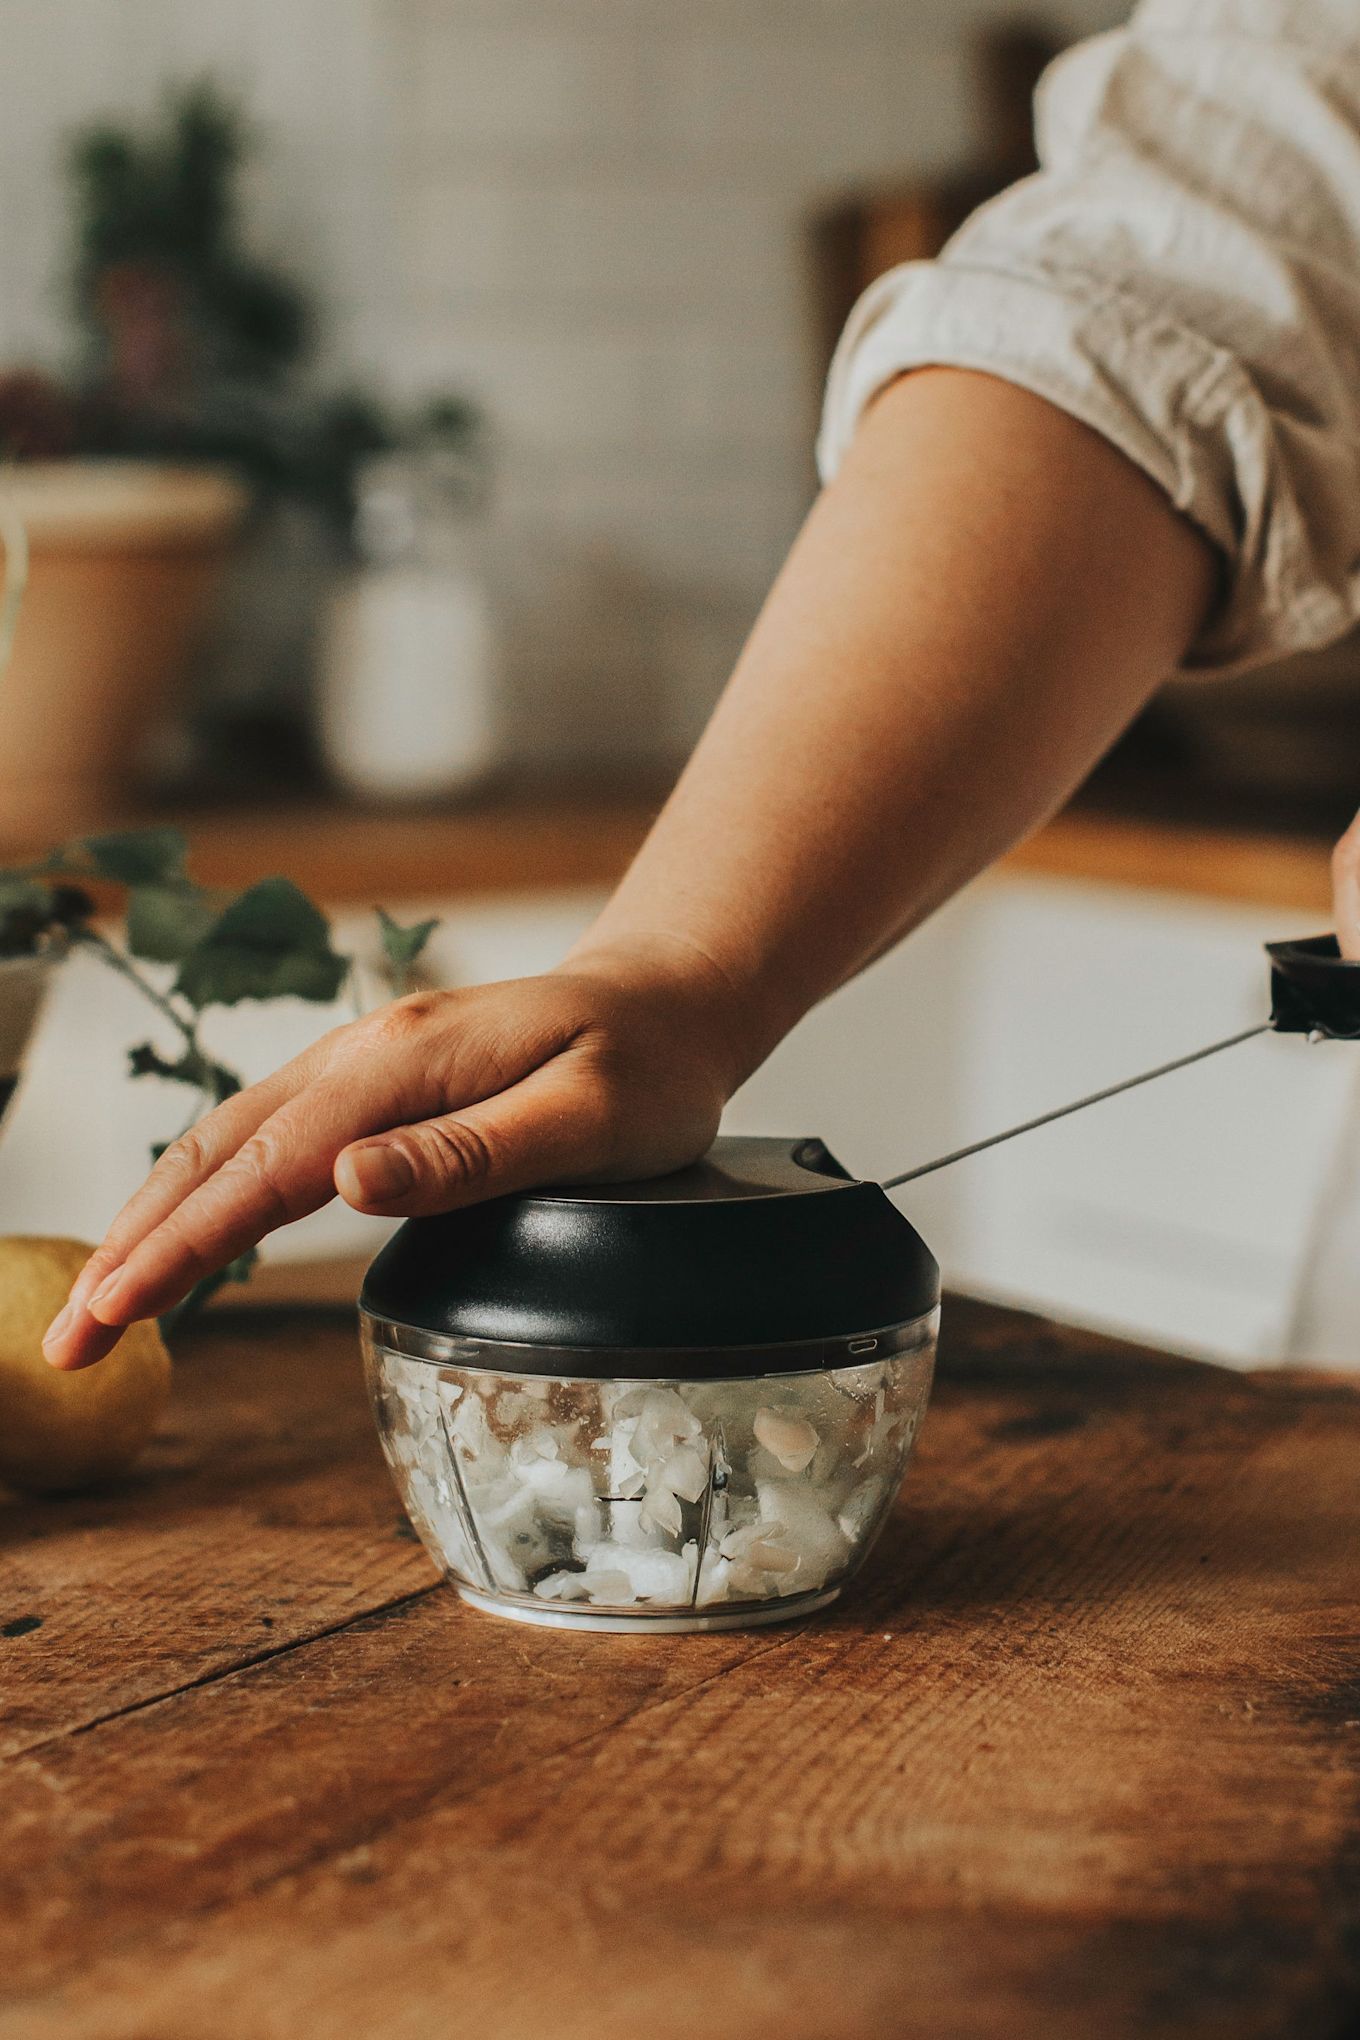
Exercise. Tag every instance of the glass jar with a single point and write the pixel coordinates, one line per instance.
(665, 1500)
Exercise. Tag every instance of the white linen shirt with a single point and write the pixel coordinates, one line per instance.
(1183, 274)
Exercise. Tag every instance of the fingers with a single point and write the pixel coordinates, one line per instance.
(74, 1339)
(387, 1071)
(270, 1155)
(188, 1162)
(77, 1339)
(553, 1126)
(1346, 890)
(281, 1173)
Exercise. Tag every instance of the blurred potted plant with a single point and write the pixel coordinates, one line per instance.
(132, 474)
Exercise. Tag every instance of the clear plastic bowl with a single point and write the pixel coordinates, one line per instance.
(648, 1503)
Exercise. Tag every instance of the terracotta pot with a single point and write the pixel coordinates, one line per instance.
(23, 982)
(123, 559)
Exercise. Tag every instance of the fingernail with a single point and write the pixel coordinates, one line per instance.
(87, 1280)
(105, 1297)
(383, 1172)
(85, 1342)
(61, 1323)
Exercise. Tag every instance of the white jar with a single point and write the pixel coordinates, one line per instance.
(408, 706)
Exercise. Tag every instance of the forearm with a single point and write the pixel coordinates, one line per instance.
(976, 606)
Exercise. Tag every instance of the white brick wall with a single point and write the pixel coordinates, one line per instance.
(588, 212)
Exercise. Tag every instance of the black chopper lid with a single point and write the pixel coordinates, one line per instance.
(763, 1243)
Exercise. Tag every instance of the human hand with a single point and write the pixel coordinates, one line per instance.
(617, 1065)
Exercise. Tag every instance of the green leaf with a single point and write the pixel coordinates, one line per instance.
(164, 922)
(193, 1068)
(403, 945)
(26, 916)
(270, 943)
(72, 907)
(221, 1082)
(138, 856)
(23, 896)
(146, 1061)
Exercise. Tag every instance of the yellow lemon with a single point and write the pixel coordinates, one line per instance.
(68, 1430)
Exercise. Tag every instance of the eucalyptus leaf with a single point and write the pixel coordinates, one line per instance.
(23, 896)
(192, 1067)
(71, 907)
(26, 916)
(165, 922)
(138, 856)
(146, 1061)
(270, 943)
(403, 945)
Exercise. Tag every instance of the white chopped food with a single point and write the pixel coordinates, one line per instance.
(650, 1575)
(664, 1422)
(768, 1554)
(563, 1586)
(805, 1525)
(661, 1511)
(685, 1473)
(789, 1437)
(589, 1494)
(713, 1578)
(609, 1588)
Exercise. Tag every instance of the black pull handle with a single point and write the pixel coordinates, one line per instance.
(1314, 989)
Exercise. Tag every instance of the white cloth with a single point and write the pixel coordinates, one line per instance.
(1183, 274)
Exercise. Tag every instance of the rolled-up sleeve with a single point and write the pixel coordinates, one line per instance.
(1183, 275)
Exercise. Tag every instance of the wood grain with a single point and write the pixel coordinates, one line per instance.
(1081, 1753)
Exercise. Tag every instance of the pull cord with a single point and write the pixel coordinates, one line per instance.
(1078, 1105)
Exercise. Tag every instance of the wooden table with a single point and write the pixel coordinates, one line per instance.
(1080, 1756)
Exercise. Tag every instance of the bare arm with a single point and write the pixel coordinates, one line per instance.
(976, 606)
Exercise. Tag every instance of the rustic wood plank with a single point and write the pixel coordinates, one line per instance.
(261, 1514)
(1082, 1754)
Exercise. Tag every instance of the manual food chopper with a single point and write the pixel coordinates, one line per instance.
(686, 1403)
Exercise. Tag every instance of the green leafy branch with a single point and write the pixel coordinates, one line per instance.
(268, 942)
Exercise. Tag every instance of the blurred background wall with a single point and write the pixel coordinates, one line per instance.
(590, 214)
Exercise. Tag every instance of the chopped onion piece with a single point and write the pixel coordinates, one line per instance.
(790, 1438)
(685, 1473)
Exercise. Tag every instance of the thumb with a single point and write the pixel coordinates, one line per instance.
(550, 1127)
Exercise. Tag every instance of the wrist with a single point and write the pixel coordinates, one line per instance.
(702, 994)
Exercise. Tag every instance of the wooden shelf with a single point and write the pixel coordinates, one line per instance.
(532, 842)
(1289, 872)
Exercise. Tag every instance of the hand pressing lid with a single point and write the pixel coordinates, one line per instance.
(764, 1244)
